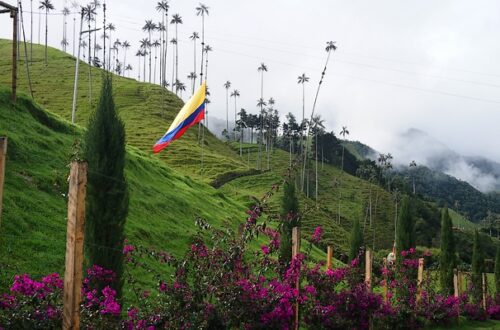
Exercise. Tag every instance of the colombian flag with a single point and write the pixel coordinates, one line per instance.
(191, 113)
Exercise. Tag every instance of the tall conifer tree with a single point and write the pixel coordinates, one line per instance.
(447, 258)
(405, 231)
(107, 193)
(356, 240)
(497, 272)
(477, 267)
(289, 219)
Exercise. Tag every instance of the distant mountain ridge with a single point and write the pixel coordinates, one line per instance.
(465, 183)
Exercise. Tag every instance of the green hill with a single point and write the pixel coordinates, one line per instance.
(163, 202)
(168, 191)
(146, 109)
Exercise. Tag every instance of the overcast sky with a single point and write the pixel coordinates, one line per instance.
(433, 65)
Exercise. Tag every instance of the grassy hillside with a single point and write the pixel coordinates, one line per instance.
(163, 202)
(146, 109)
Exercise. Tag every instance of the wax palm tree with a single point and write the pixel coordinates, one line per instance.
(262, 68)
(47, 6)
(413, 164)
(176, 19)
(206, 50)
(127, 69)
(110, 27)
(160, 27)
(302, 79)
(344, 132)
(139, 55)
(89, 13)
(202, 10)
(75, 5)
(192, 76)
(174, 43)
(65, 42)
(116, 47)
(155, 44)
(149, 27)
(194, 37)
(179, 86)
(235, 94)
(125, 46)
(330, 46)
(163, 7)
(98, 48)
(96, 4)
(227, 85)
(31, 33)
(144, 46)
(319, 125)
(83, 44)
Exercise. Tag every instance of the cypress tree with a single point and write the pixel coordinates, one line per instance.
(289, 219)
(405, 231)
(477, 267)
(497, 271)
(107, 193)
(356, 240)
(447, 259)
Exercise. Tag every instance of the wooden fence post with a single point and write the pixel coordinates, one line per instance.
(368, 269)
(455, 283)
(484, 291)
(329, 257)
(74, 246)
(295, 252)
(386, 285)
(3, 153)
(420, 278)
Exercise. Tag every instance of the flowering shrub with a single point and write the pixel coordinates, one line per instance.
(35, 304)
(32, 304)
(227, 285)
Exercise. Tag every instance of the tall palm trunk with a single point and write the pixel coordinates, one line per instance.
(124, 60)
(31, 33)
(150, 54)
(39, 25)
(202, 46)
(156, 60)
(139, 68)
(227, 111)
(194, 57)
(173, 73)
(144, 68)
(165, 41)
(259, 165)
(176, 56)
(316, 154)
(235, 116)
(74, 34)
(302, 130)
(46, 32)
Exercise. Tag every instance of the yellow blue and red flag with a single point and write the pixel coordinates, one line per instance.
(191, 113)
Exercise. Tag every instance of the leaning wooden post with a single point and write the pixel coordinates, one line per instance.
(420, 278)
(329, 257)
(3, 154)
(386, 285)
(295, 252)
(368, 269)
(74, 246)
(484, 291)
